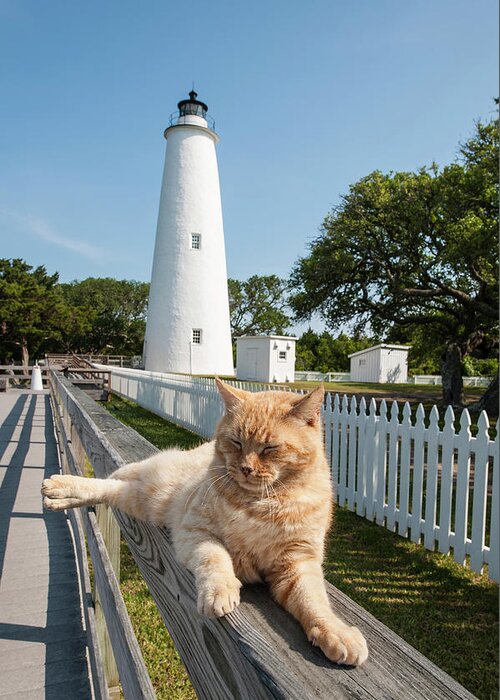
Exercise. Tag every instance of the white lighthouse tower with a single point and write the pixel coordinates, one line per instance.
(188, 326)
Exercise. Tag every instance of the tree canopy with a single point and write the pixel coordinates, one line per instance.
(257, 305)
(321, 352)
(38, 314)
(406, 250)
(116, 310)
(34, 317)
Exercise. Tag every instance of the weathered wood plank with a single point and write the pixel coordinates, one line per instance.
(133, 674)
(259, 650)
(110, 531)
(99, 684)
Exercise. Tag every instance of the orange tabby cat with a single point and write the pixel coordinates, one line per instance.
(252, 505)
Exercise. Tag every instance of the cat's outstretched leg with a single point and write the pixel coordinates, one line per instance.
(206, 557)
(66, 491)
(134, 488)
(299, 587)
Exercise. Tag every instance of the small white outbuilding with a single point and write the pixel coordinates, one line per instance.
(265, 358)
(381, 363)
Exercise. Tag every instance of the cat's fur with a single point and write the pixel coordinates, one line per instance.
(253, 505)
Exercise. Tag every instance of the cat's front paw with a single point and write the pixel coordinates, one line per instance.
(59, 492)
(216, 599)
(344, 645)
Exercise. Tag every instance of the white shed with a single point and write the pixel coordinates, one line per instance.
(265, 358)
(381, 363)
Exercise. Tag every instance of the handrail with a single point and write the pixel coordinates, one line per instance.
(134, 678)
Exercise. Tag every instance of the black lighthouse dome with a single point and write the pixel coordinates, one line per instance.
(192, 106)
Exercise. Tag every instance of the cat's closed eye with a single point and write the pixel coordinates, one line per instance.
(269, 448)
(235, 443)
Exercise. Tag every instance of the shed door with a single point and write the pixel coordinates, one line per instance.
(252, 363)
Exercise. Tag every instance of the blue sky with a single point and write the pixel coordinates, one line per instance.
(308, 97)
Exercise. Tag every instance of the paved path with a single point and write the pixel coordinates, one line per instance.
(42, 639)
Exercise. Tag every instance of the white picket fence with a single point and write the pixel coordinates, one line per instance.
(436, 486)
(322, 376)
(436, 379)
(415, 479)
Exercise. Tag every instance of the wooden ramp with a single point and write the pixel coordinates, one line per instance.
(43, 647)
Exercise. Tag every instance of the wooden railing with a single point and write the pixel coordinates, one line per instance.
(94, 381)
(113, 649)
(17, 375)
(61, 359)
(258, 651)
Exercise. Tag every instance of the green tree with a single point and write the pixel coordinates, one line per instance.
(116, 310)
(321, 352)
(257, 306)
(414, 250)
(34, 317)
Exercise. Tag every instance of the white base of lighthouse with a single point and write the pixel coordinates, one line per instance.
(188, 328)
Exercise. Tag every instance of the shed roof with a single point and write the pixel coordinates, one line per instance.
(273, 337)
(381, 345)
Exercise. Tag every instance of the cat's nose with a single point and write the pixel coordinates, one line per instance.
(246, 470)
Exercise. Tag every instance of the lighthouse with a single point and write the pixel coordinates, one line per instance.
(188, 327)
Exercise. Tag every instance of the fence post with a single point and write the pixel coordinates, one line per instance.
(344, 417)
(480, 494)
(462, 496)
(446, 481)
(418, 473)
(382, 462)
(432, 479)
(335, 445)
(353, 440)
(111, 535)
(371, 476)
(362, 458)
(493, 564)
(392, 477)
(327, 426)
(404, 487)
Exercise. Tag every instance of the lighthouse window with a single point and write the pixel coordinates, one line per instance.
(196, 336)
(282, 355)
(195, 241)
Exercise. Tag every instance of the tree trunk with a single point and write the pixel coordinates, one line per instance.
(451, 373)
(488, 401)
(25, 356)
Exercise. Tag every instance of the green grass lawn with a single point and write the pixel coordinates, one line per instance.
(445, 611)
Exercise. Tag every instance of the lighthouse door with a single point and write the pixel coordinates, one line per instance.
(252, 363)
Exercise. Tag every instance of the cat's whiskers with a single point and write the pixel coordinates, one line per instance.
(212, 484)
(190, 497)
(218, 494)
(282, 485)
(195, 488)
(269, 503)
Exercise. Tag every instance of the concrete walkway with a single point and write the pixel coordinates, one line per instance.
(42, 639)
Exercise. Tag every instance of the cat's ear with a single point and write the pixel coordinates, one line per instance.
(308, 408)
(231, 396)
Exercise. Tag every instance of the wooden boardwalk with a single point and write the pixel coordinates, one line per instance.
(43, 652)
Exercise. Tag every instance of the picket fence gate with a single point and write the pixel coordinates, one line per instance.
(435, 485)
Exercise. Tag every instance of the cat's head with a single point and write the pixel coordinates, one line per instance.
(269, 436)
